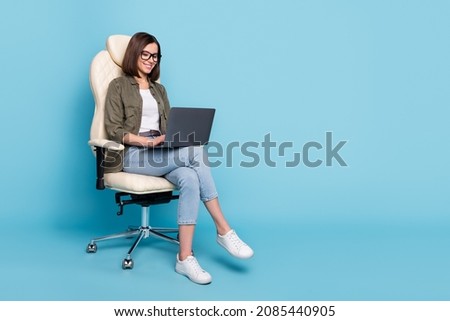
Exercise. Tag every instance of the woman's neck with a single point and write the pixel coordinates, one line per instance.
(143, 82)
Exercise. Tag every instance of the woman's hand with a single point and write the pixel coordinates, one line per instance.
(142, 141)
(156, 141)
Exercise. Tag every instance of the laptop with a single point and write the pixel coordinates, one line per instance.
(188, 126)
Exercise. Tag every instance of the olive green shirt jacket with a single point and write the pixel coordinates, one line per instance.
(123, 114)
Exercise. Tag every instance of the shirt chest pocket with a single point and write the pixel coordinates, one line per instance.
(132, 115)
(131, 111)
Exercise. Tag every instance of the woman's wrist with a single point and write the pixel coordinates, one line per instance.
(153, 141)
(150, 142)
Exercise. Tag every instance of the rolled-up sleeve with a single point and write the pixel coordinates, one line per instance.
(114, 113)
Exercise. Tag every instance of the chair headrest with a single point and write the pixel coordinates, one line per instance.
(116, 46)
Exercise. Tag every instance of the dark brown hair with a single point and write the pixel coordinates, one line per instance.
(137, 43)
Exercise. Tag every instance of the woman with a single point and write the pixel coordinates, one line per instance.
(136, 114)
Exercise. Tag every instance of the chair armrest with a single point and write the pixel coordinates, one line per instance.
(101, 146)
(107, 144)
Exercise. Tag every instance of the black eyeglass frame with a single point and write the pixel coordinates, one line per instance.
(156, 57)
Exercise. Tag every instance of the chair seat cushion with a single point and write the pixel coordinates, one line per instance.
(137, 184)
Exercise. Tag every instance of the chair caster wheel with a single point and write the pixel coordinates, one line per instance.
(91, 248)
(127, 264)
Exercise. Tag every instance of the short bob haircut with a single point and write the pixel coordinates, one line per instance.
(137, 43)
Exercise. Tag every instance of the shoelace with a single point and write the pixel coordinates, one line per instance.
(237, 242)
(195, 266)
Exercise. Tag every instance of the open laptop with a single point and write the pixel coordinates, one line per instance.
(188, 126)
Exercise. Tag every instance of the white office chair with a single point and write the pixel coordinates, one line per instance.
(131, 188)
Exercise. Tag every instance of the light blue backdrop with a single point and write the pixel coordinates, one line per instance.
(373, 73)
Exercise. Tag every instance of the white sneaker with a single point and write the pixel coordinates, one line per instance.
(234, 245)
(190, 268)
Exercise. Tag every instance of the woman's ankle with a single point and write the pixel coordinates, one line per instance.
(183, 256)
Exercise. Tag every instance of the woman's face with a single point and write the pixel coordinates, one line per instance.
(148, 59)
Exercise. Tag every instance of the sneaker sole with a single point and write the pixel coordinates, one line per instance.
(187, 276)
(236, 256)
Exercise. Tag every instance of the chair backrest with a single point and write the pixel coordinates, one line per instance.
(105, 67)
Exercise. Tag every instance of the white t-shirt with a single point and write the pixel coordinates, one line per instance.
(150, 114)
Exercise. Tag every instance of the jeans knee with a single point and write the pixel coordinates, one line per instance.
(189, 181)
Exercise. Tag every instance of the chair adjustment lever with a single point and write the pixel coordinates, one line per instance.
(120, 202)
(120, 211)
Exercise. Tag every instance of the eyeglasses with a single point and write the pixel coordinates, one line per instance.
(145, 55)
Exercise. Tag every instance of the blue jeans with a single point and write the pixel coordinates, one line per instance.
(187, 168)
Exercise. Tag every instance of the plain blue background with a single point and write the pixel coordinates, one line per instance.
(374, 73)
